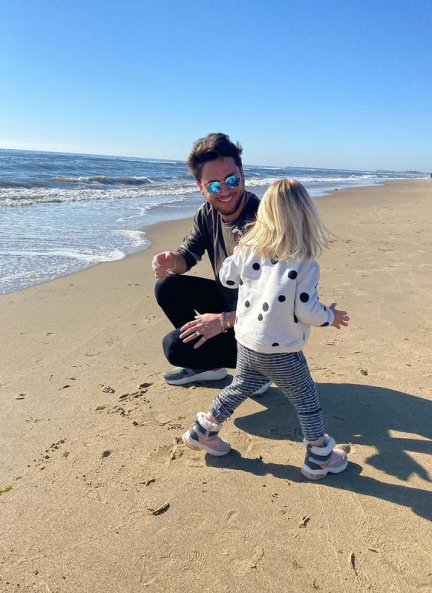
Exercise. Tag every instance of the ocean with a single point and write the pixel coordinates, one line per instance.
(60, 213)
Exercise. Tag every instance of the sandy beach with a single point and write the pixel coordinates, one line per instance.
(98, 493)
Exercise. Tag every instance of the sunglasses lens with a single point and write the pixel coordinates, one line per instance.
(214, 187)
(233, 181)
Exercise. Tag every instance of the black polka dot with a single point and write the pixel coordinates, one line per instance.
(325, 308)
(247, 304)
(230, 282)
(256, 266)
(241, 282)
(295, 319)
(265, 307)
(281, 298)
(292, 274)
(260, 317)
(274, 261)
(275, 344)
(304, 297)
(324, 324)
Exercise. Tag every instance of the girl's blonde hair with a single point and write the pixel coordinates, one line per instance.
(287, 225)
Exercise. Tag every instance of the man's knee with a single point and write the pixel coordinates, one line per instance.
(165, 288)
(172, 346)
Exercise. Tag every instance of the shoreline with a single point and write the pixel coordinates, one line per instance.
(104, 496)
(148, 229)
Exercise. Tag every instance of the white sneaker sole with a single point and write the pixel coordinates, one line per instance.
(193, 444)
(319, 474)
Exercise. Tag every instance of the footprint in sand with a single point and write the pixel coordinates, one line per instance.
(231, 516)
(167, 453)
(47, 456)
(195, 556)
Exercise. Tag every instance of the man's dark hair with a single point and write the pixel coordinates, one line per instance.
(213, 146)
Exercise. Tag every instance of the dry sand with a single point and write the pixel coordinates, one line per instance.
(106, 499)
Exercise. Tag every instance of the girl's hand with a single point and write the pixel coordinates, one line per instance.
(340, 317)
(204, 326)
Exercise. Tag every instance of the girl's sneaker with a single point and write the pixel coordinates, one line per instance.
(203, 434)
(320, 461)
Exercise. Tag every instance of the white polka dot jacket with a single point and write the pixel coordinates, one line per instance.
(278, 301)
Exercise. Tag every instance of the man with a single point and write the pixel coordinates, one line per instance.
(201, 309)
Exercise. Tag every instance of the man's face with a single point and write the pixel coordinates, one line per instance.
(229, 201)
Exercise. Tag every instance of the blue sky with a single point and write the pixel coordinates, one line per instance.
(325, 83)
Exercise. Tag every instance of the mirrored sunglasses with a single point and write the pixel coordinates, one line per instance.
(231, 181)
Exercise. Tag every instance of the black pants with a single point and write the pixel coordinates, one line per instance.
(179, 296)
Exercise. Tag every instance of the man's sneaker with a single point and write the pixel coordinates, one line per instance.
(182, 376)
(320, 461)
(262, 389)
(204, 435)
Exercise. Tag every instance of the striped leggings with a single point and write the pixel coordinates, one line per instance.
(289, 371)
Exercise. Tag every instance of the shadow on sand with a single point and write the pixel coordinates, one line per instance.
(360, 415)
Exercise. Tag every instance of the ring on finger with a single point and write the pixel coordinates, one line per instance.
(203, 338)
(197, 333)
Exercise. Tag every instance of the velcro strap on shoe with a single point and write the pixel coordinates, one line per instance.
(311, 464)
(319, 458)
(325, 449)
(193, 435)
(200, 427)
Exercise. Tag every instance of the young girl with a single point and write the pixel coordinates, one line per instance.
(275, 270)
